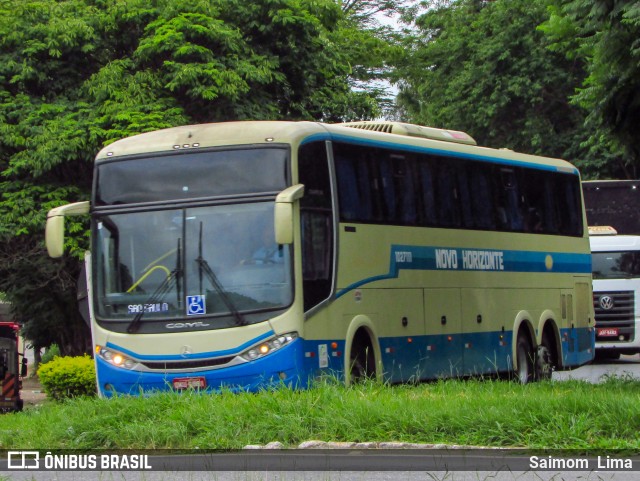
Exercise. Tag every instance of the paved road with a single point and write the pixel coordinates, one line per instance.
(626, 366)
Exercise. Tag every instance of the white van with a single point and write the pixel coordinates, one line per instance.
(616, 291)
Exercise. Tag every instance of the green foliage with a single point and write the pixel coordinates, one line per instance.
(604, 36)
(76, 75)
(68, 377)
(50, 354)
(484, 68)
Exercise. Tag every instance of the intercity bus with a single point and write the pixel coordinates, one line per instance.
(247, 255)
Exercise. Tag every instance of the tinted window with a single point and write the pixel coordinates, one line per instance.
(191, 175)
(405, 188)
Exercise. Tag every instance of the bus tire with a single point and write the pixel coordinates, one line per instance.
(545, 363)
(525, 359)
(362, 361)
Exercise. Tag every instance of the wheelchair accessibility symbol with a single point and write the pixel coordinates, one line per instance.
(196, 306)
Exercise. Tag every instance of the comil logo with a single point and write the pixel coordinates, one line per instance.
(23, 460)
(606, 302)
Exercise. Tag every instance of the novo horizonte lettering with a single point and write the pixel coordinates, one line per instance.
(470, 260)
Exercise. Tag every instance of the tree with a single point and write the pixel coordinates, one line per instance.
(604, 36)
(372, 47)
(76, 75)
(484, 68)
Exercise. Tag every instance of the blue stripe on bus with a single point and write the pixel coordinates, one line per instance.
(200, 355)
(431, 356)
(427, 150)
(431, 258)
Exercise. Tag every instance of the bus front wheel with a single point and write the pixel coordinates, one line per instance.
(362, 361)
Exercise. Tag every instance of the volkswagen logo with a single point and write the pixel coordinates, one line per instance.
(606, 302)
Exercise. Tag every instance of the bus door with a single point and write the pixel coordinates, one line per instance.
(444, 335)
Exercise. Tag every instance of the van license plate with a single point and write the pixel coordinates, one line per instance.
(189, 383)
(607, 332)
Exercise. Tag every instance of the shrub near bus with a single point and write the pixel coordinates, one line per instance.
(394, 251)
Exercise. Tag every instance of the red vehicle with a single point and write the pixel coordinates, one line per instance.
(11, 370)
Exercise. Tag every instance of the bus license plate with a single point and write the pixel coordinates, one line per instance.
(189, 383)
(607, 332)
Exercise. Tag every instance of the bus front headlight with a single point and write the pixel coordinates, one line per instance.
(115, 358)
(268, 346)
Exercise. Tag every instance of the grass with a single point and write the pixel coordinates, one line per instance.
(567, 415)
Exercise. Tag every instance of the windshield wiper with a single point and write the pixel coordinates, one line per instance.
(203, 266)
(159, 293)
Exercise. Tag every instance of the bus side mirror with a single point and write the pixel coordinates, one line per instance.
(23, 368)
(283, 214)
(54, 233)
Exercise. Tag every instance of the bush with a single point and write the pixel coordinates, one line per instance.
(68, 377)
(52, 352)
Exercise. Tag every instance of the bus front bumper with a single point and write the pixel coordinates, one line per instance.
(282, 368)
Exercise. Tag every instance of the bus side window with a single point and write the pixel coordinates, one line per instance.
(511, 201)
(568, 198)
(447, 195)
(482, 199)
(464, 197)
(365, 200)
(404, 175)
(549, 213)
(533, 186)
(388, 191)
(426, 192)
(347, 189)
(355, 195)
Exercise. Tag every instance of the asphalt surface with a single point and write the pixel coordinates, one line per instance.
(32, 392)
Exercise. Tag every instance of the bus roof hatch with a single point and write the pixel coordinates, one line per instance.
(412, 130)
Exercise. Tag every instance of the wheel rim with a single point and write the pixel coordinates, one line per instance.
(545, 362)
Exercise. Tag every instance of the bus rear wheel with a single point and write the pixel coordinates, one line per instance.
(545, 363)
(525, 360)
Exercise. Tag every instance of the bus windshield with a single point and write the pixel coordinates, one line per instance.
(616, 265)
(189, 263)
(191, 175)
